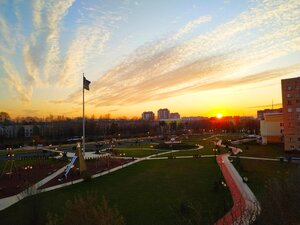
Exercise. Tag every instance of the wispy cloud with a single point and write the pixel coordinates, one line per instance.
(41, 50)
(90, 40)
(13, 79)
(177, 64)
(266, 106)
(30, 111)
(8, 39)
(44, 40)
(221, 58)
(191, 25)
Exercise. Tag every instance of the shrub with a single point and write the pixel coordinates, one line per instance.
(84, 210)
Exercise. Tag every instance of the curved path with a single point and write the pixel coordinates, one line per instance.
(245, 205)
(244, 210)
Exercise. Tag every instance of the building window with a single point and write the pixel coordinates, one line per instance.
(290, 110)
(289, 102)
(289, 88)
(297, 109)
(288, 95)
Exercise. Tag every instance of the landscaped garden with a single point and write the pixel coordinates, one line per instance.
(150, 192)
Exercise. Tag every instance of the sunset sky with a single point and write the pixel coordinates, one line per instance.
(194, 57)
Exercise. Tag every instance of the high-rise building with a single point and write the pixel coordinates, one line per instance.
(163, 114)
(148, 116)
(174, 116)
(291, 113)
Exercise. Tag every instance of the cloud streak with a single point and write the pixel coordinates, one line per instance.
(44, 40)
(191, 25)
(221, 58)
(46, 60)
(13, 79)
(180, 63)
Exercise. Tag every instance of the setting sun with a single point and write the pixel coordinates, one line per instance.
(219, 115)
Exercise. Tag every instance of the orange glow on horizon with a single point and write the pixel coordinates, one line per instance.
(219, 116)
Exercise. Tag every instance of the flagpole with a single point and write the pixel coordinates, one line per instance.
(83, 119)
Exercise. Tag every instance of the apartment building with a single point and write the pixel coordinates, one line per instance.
(149, 116)
(271, 128)
(291, 113)
(163, 114)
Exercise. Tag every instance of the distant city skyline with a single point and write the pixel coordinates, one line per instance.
(198, 58)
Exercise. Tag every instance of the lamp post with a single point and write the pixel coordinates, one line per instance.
(215, 151)
(33, 143)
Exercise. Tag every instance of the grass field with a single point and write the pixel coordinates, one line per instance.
(269, 150)
(280, 203)
(205, 141)
(136, 152)
(150, 192)
(259, 172)
(251, 149)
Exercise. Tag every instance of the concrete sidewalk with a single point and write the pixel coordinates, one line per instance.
(8, 201)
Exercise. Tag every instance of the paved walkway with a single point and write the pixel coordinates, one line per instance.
(88, 155)
(8, 201)
(245, 208)
(257, 158)
(245, 205)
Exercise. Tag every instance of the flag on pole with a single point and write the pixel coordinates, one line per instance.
(86, 84)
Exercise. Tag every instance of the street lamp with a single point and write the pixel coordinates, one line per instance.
(215, 151)
(33, 143)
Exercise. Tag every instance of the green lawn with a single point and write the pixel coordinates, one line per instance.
(203, 140)
(250, 149)
(136, 152)
(259, 172)
(276, 186)
(189, 153)
(269, 150)
(137, 146)
(150, 192)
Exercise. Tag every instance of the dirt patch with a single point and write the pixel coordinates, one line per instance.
(93, 167)
(24, 176)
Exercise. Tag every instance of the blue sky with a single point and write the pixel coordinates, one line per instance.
(195, 57)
